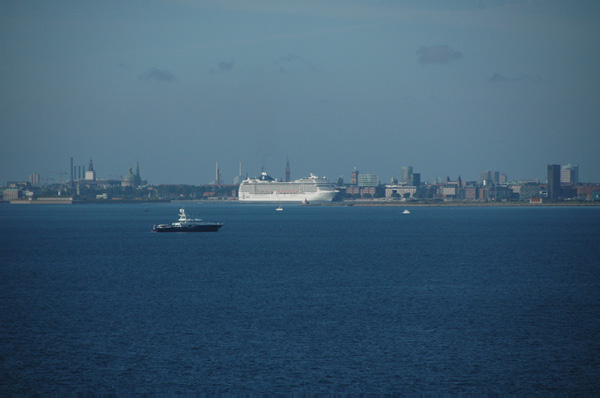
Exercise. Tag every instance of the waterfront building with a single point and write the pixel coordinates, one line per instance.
(11, 194)
(527, 190)
(588, 192)
(402, 191)
(553, 181)
(34, 179)
(368, 180)
(369, 192)
(471, 193)
(569, 174)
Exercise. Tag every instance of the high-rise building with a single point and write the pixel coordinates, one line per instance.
(415, 179)
(553, 181)
(368, 180)
(569, 174)
(34, 179)
(489, 177)
(405, 174)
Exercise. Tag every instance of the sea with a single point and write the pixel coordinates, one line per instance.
(311, 300)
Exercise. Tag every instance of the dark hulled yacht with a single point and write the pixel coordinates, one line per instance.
(186, 224)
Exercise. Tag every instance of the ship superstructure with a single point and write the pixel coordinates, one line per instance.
(267, 189)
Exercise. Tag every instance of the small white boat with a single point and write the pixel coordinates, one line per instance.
(406, 212)
(279, 208)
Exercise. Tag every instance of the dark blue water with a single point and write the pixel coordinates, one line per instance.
(308, 300)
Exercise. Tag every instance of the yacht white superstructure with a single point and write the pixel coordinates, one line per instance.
(267, 189)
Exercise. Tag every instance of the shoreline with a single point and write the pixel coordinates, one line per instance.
(373, 203)
(457, 204)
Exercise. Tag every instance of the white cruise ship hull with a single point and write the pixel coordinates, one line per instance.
(287, 197)
(266, 189)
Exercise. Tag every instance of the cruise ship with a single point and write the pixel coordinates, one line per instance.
(267, 189)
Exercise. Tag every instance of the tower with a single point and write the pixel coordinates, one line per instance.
(218, 175)
(239, 178)
(354, 177)
(138, 178)
(287, 170)
(553, 181)
(90, 174)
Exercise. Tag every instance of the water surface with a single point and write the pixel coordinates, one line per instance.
(308, 300)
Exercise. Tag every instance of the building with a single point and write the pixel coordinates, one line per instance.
(128, 179)
(588, 192)
(452, 189)
(370, 192)
(132, 180)
(415, 179)
(90, 174)
(354, 177)
(34, 179)
(11, 194)
(287, 170)
(400, 191)
(489, 177)
(471, 193)
(406, 173)
(368, 180)
(569, 174)
(527, 190)
(553, 181)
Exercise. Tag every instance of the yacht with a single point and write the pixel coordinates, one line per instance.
(187, 224)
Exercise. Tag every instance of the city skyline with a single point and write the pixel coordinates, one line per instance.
(450, 88)
(567, 172)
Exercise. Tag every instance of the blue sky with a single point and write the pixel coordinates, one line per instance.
(451, 88)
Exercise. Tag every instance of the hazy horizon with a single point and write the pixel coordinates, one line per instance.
(450, 88)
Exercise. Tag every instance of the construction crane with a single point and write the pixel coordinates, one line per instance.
(47, 179)
(59, 172)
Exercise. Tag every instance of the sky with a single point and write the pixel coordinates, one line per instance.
(450, 88)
